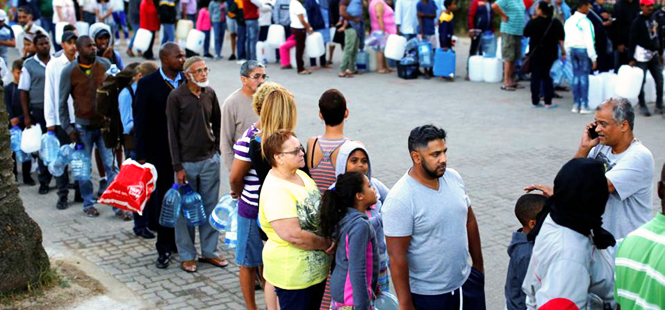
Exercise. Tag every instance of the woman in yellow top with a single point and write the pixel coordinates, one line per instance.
(295, 258)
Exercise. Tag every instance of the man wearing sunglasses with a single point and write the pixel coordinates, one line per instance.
(193, 118)
(647, 53)
(237, 112)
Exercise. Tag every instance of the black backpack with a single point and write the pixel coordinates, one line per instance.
(107, 106)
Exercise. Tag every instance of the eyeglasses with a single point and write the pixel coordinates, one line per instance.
(258, 76)
(201, 70)
(295, 152)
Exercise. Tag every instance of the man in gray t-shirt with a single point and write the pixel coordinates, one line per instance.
(431, 231)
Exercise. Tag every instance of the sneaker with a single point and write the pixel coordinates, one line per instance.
(91, 212)
(209, 56)
(645, 111)
(576, 109)
(233, 57)
(43, 189)
(29, 182)
(103, 184)
(585, 110)
(62, 204)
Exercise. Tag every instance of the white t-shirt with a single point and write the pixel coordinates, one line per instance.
(67, 11)
(631, 173)
(438, 254)
(295, 9)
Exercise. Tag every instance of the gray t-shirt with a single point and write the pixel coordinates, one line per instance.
(438, 254)
(631, 173)
(237, 116)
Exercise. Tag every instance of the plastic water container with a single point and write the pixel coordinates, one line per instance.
(362, 61)
(650, 89)
(609, 82)
(444, 63)
(142, 40)
(425, 55)
(80, 164)
(59, 29)
(314, 46)
(271, 53)
(195, 41)
(261, 52)
(629, 81)
(372, 61)
(219, 218)
(276, 36)
(16, 135)
(292, 57)
(82, 28)
(31, 139)
(488, 43)
(50, 147)
(170, 207)
(57, 167)
(498, 48)
(183, 28)
(192, 207)
(395, 47)
(231, 235)
(492, 70)
(386, 301)
(595, 91)
(476, 68)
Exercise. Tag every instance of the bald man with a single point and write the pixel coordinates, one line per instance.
(152, 141)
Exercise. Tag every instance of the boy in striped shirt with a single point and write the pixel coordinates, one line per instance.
(640, 267)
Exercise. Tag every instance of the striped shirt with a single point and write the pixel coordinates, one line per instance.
(248, 205)
(324, 172)
(640, 267)
(515, 10)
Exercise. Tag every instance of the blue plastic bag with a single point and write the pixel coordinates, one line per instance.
(561, 71)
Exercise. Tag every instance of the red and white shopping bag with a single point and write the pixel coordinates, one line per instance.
(132, 187)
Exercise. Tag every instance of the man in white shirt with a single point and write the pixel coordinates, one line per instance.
(406, 18)
(51, 101)
(579, 44)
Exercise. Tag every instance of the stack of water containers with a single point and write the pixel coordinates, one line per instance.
(57, 167)
(16, 136)
(80, 164)
(189, 203)
(487, 68)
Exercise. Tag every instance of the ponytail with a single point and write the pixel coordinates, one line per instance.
(336, 200)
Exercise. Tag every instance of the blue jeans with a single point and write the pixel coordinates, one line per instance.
(135, 28)
(120, 19)
(169, 33)
(192, 17)
(206, 43)
(220, 28)
(252, 29)
(581, 71)
(89, 137)
(242, 31)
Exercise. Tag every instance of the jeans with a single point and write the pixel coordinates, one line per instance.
(581, 71)
(169, 33)
(192, 17)
(89, 17)
(540, 77)
(206, 42)
(351, 43)
(135, 28)
(656, 68)
(120, 20)
(203, 177)
(242, 38)
(252, 28)
(219, 28)
(91, 136)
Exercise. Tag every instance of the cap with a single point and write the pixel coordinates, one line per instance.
(68, 35)
(647, 2)
(3, 15)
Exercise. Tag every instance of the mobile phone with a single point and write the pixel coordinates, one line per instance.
(592, 132)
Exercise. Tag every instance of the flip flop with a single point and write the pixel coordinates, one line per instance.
(508, 88)
(188, 266)
(215, 261)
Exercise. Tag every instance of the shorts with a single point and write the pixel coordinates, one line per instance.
(231, 25)
(263, 33)
(250, 247)
(511, 47)
(473, 296)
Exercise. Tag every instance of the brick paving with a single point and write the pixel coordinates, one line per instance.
(497, 142)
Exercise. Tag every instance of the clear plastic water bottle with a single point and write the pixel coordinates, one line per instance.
(16, 135)
(50, 146)
(488, 43)
(231, 235)
(219, 218)
(58, 166)
(170, 207)
(192, 207)
(80, 165)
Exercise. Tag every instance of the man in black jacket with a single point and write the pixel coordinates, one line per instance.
(647, 53)
(625, 12)
(151, 138)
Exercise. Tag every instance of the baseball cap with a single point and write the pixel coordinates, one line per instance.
(647, 2)
(3, 15)
(68, 35)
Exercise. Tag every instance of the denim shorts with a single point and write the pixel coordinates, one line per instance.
(250, 247)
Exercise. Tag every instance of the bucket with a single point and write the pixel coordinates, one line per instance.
(395, 47)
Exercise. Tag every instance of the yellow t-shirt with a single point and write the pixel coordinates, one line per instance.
(284, 265)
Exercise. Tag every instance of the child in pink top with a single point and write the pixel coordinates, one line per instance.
(203, 24)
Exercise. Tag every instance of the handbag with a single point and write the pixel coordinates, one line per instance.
(526, 60)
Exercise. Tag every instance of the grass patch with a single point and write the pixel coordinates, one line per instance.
(48, 278)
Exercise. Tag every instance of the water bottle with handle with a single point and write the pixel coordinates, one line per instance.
(219, 219)
(58, 166)
(192, 207)
(50, 146)
(80, 165)
(231, 235)
(170, 207)
(16, 135)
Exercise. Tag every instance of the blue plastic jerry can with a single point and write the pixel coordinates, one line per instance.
(444, 63)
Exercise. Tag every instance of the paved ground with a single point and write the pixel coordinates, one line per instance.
(497, 142)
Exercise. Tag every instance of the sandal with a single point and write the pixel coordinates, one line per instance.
(383, 71)
(305, 72)
(507, 88)
(341, 74)
(188, 266)
(287, 67)
(125, 216)
(91, 212)
(518, 86)
(215, 261)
